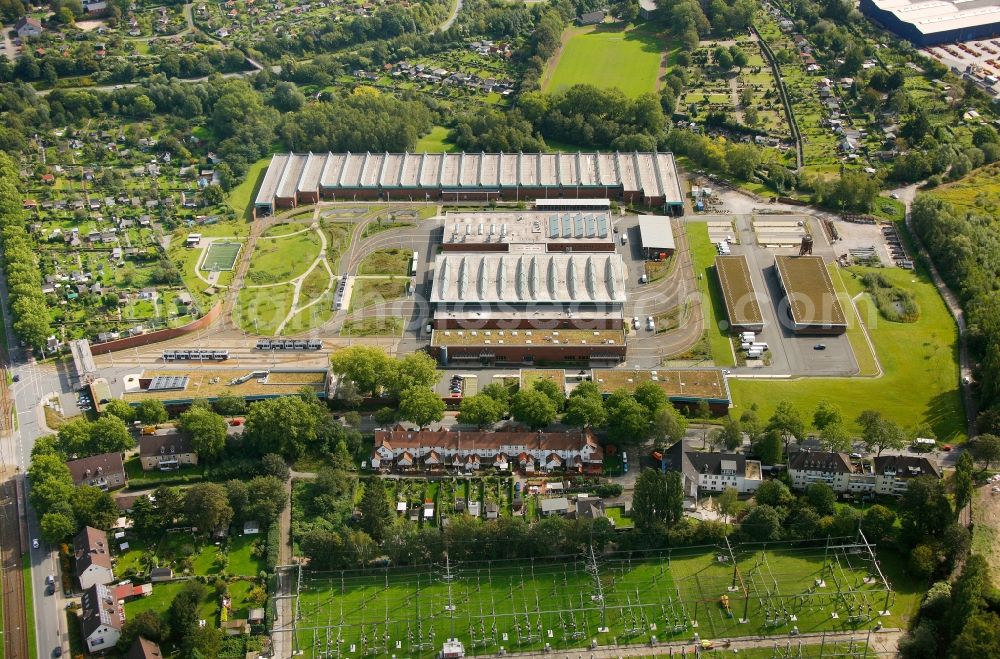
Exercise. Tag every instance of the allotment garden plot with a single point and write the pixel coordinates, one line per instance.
(566, 602)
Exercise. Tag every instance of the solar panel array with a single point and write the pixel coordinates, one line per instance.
(169, 383)
(570, 225)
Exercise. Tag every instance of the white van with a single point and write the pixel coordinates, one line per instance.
(762, 346)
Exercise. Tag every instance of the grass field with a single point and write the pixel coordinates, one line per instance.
(240, 197)
(919, 362)
(261, 310)
(283, 258)
(387, 262)
(388, 326)
(376, 290)
(703, 254)
(867, 363)
(435, 141)
(979, 191)
(241, 560)
(29, 604)
(221, 256)
(607, 57)
(525, 605)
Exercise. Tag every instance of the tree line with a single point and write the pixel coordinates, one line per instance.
(24, 285)
(966, 248)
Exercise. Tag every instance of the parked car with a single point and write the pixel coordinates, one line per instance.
(819, 346)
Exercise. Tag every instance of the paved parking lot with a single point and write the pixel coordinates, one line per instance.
(790, 353)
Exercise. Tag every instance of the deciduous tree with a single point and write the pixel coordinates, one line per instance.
(421, 406)
(787, 421)
(480, 410)
(208, 432)
(206, 506)
(533, 408)
(879, 433)
(151, 411)
(120, 409)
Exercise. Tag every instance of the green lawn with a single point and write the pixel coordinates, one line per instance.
(164, 593)
(867, 364)
(283, 258)
(129, 561)
(241, 197)
(607, 57)
(435, 141)
(29, 604)
(317, 281)
(261, 310)
(283, 229)
(241, 561)
(919, 361)
(389, 326)
(310, 317)
(703, 255)
(621, 522)
(371, 291)
(387, 262)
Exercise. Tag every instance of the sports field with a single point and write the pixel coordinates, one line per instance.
(566, 602)
(221, 256)
(607, 57)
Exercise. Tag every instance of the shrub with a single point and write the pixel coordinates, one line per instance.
(273, 547)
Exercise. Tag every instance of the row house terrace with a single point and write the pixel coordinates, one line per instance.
(403, 449)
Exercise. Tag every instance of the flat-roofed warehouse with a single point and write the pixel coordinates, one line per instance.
(528, 290)
(738, 293)
(684, 387)
(526, 230)
(810, 297)
(656, 236)
(931, 22)
(489, 347)
(303, 178)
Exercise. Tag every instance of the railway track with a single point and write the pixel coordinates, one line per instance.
(15, 616)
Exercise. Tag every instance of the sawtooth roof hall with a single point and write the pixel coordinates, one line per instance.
(304, 178)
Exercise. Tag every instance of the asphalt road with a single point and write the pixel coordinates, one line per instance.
(34, 381)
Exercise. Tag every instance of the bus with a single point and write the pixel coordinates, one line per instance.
(413, 266)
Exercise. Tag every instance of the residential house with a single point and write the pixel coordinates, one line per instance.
(469, 451)
(161, 574)
(102, 618)
(166, 452)
(237, 627)
(835, 469)
(143, 648)
(591, 17)
(27, 26)
(106, 471)
(126, 591)
(556, 506)
(702, 471)
(894, 472)
(92, 558)
(589, 508)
